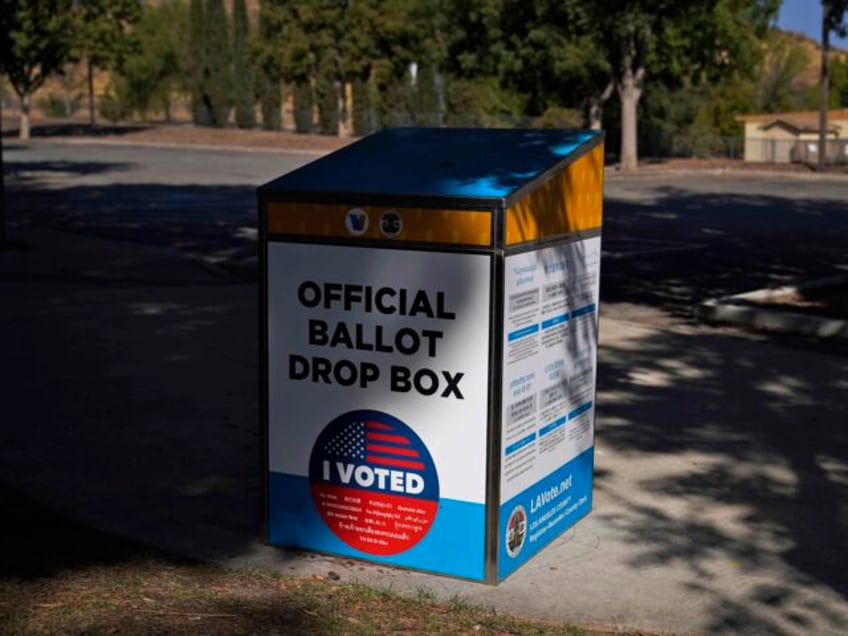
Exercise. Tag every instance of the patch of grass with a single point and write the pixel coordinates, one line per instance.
(76, 580)
(425, 595)
(196, 598)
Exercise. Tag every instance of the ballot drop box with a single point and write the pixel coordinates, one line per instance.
(429, 310)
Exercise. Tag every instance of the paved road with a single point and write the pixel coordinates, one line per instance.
(673, 240)
(129, 401)
(670, 240)
(200, 201)
(129, 391)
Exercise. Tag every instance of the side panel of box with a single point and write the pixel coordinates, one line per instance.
(549, 340)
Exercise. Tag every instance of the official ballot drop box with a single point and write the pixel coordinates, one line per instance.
(429, 325)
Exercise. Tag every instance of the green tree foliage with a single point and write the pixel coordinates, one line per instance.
(368, 44)
(482, 102)
(833, 20)
(151, 76)
(303, 104)
(478, 60)
(628, 32)
(198, 67)
(327, 93)
(35, 43)
(210, 60)
(219, 79)
(781, 85)
(393, 92)
(676, 68)
(838, 16)
(288, 25)
(270, 95)
(103, 37)
(265, 56)
(364, 122)
(323, 23)
(427, 106)
(689, 44)
(839, 82)
(369, 32)
(557, 63)
(243, 84)
(703, 76)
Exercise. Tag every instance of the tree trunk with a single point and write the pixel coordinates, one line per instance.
(90, 94)
(596, 107)
(66, 91)
(4, 236)
(629, 93)
(596, 113)
(823, 86)
(24, 130)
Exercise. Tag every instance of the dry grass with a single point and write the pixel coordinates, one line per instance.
(58, 577)
(156, 596)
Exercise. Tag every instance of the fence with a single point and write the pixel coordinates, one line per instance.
(795, 151)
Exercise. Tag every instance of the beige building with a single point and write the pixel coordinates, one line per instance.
(794, 137)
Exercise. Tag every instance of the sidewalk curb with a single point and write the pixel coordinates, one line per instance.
(611, 172)
(732, 310)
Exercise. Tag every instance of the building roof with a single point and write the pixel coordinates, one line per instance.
(797, 125)
(806, 117)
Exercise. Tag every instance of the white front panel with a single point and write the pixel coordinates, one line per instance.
(402, 332)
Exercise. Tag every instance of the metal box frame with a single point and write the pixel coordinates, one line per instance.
(520, 207)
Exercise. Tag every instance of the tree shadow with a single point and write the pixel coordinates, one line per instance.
(40, 547)
(137, 399)
(216, 224)
(140, 403)
(27, 523)
(22, 173)
(77, 129)
(749, 498)
(676, 247)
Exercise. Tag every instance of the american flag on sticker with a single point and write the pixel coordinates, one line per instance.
(376, 443)
(373, 482)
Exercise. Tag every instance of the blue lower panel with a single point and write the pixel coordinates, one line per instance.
(538, 515)
(454, 544)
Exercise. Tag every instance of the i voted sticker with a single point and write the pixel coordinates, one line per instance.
(374, 482)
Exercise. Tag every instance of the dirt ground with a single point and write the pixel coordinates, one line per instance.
(181, 134)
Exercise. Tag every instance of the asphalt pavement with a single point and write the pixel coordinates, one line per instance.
(129, 396)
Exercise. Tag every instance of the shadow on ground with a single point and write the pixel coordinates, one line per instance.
(20, 173)
(753, 446)
(669, 251)
(37, 542)
(140, 402)
(213, 223)
(75, 129)
(682, 247)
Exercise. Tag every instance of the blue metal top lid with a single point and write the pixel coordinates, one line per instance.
(449, 163)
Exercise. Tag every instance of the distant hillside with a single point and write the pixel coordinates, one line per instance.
(809, 76)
